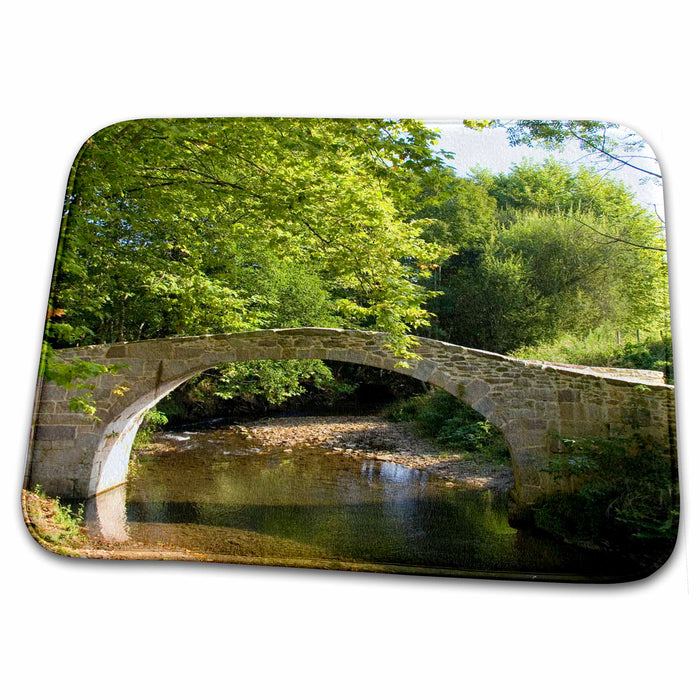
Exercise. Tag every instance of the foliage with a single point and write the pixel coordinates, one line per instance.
(274, 380)
(74, 375)
(564, 252)
(153, 420)
(600, 348)
(578, 275)
(613, 146)
(461, 213)
(443, 417)
(186, 226)
(192, 226)
(51, 522)
(542, 276)
(254, 387)
(629, 492)
(550, 187)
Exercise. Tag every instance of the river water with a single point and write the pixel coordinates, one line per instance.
(213, 491)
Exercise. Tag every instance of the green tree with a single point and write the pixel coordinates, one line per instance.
(566, 251)
(174, 226)
(554, 187)
(197, 226)
(613, 146)
(456, 212)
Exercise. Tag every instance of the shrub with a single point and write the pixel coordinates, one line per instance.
(443, 417)
(152, 421)
(629, 493)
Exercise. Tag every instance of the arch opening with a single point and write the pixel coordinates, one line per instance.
(111, 463)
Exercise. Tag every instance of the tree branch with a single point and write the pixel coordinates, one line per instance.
(607, 154)
(615, 238)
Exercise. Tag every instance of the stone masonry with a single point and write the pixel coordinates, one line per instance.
(533, 403)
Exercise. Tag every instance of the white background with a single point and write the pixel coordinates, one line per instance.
(123, 629)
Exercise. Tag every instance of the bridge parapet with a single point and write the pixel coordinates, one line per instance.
(645, 376)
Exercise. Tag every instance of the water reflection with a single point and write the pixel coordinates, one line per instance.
(215, 492)
(105, 515)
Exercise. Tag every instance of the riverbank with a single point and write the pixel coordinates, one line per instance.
(373, 437)
(60, 531)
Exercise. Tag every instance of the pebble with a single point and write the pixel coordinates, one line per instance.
(378, 440)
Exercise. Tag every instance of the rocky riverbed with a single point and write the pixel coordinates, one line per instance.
(373, 437)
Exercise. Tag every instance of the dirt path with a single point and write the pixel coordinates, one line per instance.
(373, 437)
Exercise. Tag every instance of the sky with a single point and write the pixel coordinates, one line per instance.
(490, 149)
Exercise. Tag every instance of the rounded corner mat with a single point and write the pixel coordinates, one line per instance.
(385, 345)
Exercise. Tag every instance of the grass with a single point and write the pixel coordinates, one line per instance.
(55, 526)
(600, 348)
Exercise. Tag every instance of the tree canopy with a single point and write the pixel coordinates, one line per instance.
(613, 146)
(193, 226)
(558, 250)
(196, 226)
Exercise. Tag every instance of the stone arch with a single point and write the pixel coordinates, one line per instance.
(117, 436)
(528, 401)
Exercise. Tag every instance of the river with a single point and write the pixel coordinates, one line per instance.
(218, 492)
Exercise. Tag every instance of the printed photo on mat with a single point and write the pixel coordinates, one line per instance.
(361, 344)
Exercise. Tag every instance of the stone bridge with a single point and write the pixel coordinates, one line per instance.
(74, 456)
